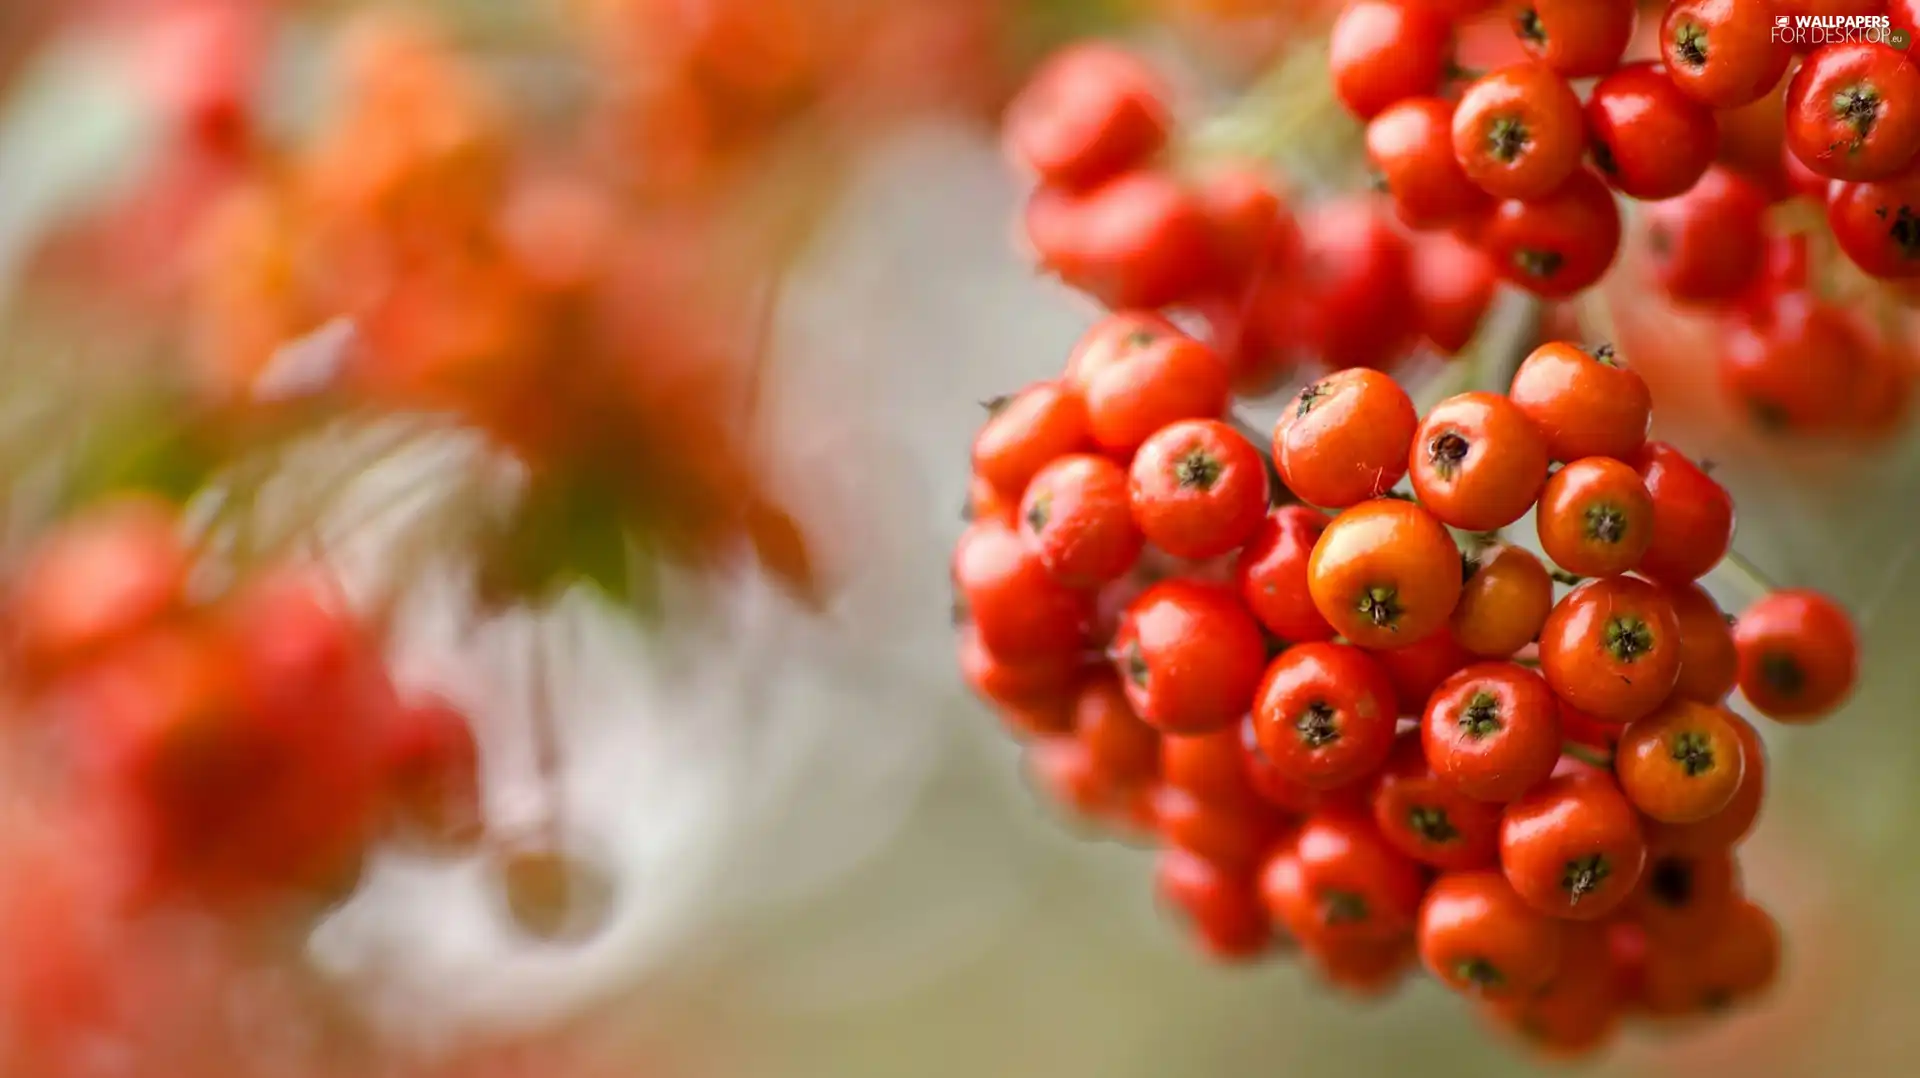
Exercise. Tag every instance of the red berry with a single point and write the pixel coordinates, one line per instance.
(1353, 299)
(1723, 53)
(1586, 403)
(1091, 112)
(1411, 147)
(1384, 51)
(1492, 731)
(1478, 462)
(1152, 380)
(1692, 516)
(1190, 656)
(1478, 937)
(1351, 885)
(1853, 111)
(1452, 285)
(1650, 141)
(1709, 244)
(1611, 648)
(1198, 489)
(1559, 244)
(1878, 224)
(1272, 573)
(1026, 432)
(1022, 613)
(1573, 847)
(1223, 910)
(1518, 132)
(1429, 819)
(1577, 38)
(1799, 655)
(1385, 574)
(1344, 439)
(1325, 715)
(1076, 514)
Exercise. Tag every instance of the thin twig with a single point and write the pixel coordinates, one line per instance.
(543, 728)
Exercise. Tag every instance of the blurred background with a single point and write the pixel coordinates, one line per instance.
(814, 853)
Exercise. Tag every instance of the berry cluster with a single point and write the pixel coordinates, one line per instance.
(234, 751)
(1357, 717)
(1117, 217)
(1518, 162)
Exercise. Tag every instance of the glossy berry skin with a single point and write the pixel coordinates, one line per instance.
(1577, 38)
(1123, 749)
(1586, 404)
(1385, 574)
(1573, 847)
(1077, 516)
(1027, 431)
(1351, 887)
(1351, 304)
(1693, 516)
(1736, 962)
(1452, 285)
(1018, 686)
(1324, 715)
(1190, 657)
(1272, 574)
(1492, 731)
(1851, 111)
(1683, 898)
(1518, 132)
(1211, 767)
(1427, 818)
(1709, 244)
(1223, 911)
(1277, 791)
(1595, 517)
(1504, 601)
(1480, 938)
(1649, 140)
(1383, 51)
(1112, 339)
(1150, 379)
(1091, 112)
(1680, 764)
(1580, 1011)
(1722, 53)
(1878, 224)
(1799, 655)
(1611, 648)
(1252, 227)
(1780, 366)
(1137, 240)
(1232, 837)
(1559, 244)
(1730, 826)
(1198, 489)
(1022, 613)
(1344, 438)
(1410, 146)
(1709, 662)
(1477, 462)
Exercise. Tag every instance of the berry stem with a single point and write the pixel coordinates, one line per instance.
(1749, 576)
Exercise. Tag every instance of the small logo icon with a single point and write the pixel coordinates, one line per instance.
(1900, 39)
(1782, 21)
